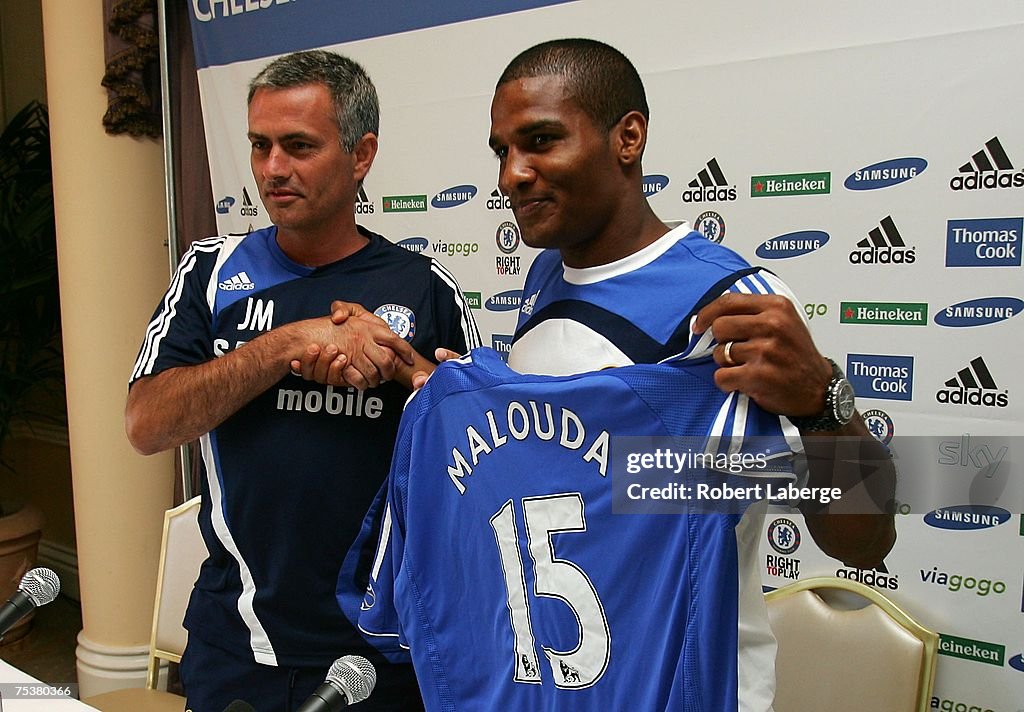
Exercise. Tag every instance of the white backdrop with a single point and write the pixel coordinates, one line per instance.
(913, 282)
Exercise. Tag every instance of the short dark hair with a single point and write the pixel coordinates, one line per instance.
(598, 77)
(355, 99)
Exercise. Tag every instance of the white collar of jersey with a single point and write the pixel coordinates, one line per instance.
(629, 263)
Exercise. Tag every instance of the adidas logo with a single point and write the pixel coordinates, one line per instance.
(247, 207)
(988, 168)
(883, 245)
(497, 201)
(973, 385)
(364, 206)
(709, 185)
(239, 283)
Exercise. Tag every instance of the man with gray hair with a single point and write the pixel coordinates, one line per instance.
(291, 466)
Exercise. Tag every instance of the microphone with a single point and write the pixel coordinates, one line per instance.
(239, 706)
(350, 680)
(37, 588)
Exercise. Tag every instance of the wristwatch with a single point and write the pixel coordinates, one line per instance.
(839, 405)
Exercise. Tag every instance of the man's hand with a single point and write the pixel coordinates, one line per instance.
(358, 349)
(772, 357)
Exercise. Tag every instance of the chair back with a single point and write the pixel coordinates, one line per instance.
(182, 552)
(875, 657)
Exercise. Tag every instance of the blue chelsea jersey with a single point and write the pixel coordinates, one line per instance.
(503, 571)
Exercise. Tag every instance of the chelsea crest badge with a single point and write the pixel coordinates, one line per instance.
(400, 320)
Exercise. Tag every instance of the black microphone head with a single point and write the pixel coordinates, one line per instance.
(239, 706)
(355, 676)
(40, 585)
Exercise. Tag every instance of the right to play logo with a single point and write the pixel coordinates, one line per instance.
(973, 385)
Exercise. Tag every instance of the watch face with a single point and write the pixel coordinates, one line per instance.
(845, 402)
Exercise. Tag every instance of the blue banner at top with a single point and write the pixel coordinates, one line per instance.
(227, 31)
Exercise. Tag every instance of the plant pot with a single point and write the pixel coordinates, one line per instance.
(19, 548)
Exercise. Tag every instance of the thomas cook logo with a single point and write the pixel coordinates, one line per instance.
(711, 225)
(502, 343)
(454, 196)
(883, 245)
(885, 174)
(654, 183)
(792, 244)
(507, 237)
(784, 536)
(709, 186)
(984, 242)
(401, 320)
(979, 312)
(881, 376)
(989, 169)
(973, 385)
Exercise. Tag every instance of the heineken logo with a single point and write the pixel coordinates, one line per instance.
(770, 186)
(405, 203)
(977, 651)
(894, 313)
(473, 299)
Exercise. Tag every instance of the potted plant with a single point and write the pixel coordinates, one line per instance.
(31, 363)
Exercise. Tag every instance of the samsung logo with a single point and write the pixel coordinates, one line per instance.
(224, 205)
(792, 244)
(414, 244)
(1017, 662)
(885, 174)
(505, 301)
(966, 517)
(654, 183)
(978, 312)
(454, 196)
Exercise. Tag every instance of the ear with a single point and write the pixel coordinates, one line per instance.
(363, 154)
(630, 136)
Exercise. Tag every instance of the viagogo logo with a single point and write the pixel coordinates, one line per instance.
(459, 249)
(955, 706)
(959, 582)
